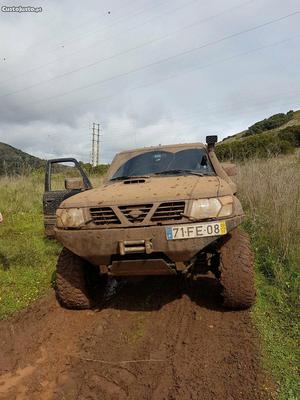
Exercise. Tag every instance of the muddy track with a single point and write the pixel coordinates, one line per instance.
(157, 339)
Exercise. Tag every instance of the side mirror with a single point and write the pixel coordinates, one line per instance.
(229, 168)
(74, 184)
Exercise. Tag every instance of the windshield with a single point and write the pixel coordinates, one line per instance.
(164, 162)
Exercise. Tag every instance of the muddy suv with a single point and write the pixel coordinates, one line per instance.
(161, 211)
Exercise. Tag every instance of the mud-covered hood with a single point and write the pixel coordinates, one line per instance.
(154, 189)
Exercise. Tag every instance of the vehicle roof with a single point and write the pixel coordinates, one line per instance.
(169, 147)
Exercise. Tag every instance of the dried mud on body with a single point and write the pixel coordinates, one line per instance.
(155, 339)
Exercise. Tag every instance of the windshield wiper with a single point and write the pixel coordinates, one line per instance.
(178, 171)
(123, 178)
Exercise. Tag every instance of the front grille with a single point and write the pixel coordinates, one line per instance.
(169, 211)
(104, 216)
(140, 210)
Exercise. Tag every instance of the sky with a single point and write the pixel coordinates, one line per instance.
(149, 72)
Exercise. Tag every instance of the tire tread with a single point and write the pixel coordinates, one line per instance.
(71, 285)
(237, 271)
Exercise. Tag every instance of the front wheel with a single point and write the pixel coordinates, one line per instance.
(74, 277)
(237, 271)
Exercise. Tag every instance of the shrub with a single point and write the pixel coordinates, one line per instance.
(291, 134)
(260, 146)
(272, 122)
(98, 170)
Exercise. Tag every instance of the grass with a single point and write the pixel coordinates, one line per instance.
(27, 259)
(270, 192)
(137, 330)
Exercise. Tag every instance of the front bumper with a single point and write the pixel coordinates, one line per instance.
(98, 246)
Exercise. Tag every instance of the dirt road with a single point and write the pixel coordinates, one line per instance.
(157, 339)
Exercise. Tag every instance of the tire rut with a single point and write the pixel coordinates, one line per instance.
(155, 339)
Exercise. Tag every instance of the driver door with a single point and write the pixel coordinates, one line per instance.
(64, 178)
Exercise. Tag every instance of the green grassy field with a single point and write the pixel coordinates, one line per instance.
(270, 193)
(27, 259)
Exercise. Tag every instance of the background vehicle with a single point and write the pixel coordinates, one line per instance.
(161, 211)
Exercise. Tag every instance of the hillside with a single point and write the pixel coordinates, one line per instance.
(14, 161)
(277, 134)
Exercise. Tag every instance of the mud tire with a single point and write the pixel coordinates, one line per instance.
(237, 271)
(73, 281)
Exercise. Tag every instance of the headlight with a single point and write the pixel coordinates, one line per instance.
(69, 217)
(211, 208)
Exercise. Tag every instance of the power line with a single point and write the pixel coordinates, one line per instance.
(132, 15)
(96, 19)
(103, 15)
(34, 69)
(127, 51)
(172, 76)
(181, 54)
(42, 42)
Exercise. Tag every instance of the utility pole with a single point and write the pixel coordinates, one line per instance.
(95, 145)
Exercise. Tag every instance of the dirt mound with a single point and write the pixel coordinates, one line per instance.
(156, 339)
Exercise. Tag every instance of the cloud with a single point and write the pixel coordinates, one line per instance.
(221, 88)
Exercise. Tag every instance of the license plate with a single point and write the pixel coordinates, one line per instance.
(196, 230)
